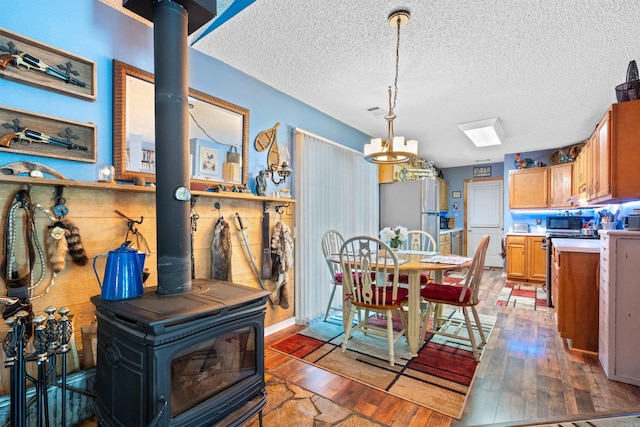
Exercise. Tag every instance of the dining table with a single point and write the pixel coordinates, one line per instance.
(413, 264)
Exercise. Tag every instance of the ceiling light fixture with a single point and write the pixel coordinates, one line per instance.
(483, 132)
(395, 149)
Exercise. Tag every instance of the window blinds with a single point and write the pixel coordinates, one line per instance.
(334, 188)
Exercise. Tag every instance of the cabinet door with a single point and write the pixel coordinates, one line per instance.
(603, 159)
(516, 258)
(627, 303)
(528, 188)
(560, 187)
(537, 258)
(579, 177)
(444, 195)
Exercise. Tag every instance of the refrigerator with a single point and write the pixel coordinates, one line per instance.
(412, 204)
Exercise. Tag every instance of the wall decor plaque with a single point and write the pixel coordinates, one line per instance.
(482, 172)
(39, 135)
(29, 61)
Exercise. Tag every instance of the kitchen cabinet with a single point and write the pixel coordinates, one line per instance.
(619, 306)
(526, 260)
(444, 195)
(445, 243)
(611, 157)
(580, 171)
(536, 259)
(560, 189)
(528, 188)
(575, 296)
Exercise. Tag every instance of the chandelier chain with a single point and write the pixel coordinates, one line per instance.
(395, 82)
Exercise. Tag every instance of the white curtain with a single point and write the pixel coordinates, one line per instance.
(334, 188)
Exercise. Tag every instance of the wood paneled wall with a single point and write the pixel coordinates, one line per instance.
(92, 209)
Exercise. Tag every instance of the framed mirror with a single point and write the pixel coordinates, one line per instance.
(218, 132)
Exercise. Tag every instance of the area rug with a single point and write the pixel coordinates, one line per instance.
(438, 378)
(528, 296)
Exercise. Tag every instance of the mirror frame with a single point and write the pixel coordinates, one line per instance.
(120, 73)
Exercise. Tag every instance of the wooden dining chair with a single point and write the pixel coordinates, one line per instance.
(463, 295)
(332, 241)
(418, 240)
(363, 259)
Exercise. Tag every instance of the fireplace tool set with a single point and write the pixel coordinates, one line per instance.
(51, 337)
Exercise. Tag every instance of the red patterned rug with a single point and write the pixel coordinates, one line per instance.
(439, 377)
(528, 296)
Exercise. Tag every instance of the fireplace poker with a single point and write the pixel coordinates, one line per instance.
(65, 329)
(242, 229)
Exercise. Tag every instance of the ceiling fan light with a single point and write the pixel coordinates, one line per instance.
(483, 133)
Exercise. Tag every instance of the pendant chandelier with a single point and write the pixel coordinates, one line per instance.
(395, 149)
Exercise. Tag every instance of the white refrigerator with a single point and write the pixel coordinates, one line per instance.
(412, 204)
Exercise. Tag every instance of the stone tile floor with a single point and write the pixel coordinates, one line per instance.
(288, 404)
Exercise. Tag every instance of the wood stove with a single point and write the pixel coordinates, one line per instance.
(189, 359)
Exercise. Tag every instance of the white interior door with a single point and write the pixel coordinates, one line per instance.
(484, 212)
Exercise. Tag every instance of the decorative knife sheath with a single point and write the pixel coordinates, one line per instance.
(266, 244)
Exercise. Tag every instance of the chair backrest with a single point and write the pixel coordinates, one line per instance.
(368, 264)
(418, 240)
(474, 276)
(332, 241)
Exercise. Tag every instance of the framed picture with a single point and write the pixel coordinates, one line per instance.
(482, 172)
(456, 194)
(207, 159)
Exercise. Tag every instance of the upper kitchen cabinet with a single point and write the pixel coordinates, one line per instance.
(444, 195)
(560, 190)
(612, 157)
(581, 170)
(528, 188)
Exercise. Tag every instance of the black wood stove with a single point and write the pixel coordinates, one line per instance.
(189, 359)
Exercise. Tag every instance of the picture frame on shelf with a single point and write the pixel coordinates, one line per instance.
(206, 156)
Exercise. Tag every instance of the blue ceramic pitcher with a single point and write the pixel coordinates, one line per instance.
(122, 274)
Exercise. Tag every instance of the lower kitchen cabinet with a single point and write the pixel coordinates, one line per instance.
(575, 297)
(445, 243)
(526, 259)
(619, 343)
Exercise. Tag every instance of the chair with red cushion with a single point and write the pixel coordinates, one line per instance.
(332, 241)
(364, 258)
(463, 295)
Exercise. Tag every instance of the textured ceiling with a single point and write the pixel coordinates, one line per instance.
(547, 68)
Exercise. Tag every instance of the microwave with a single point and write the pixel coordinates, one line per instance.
(564, 223)
(631, 222)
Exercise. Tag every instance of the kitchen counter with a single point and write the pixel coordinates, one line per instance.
(577, 245)
(531, 233)
(451, 230)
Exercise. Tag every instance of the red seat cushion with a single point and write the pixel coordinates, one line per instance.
(404, 278)
(339, 277)
(402, 294)
(445, 292)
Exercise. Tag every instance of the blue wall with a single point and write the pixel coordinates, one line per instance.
(456, 177)
(90, 29)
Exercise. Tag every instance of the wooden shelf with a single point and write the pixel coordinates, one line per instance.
(105, 186)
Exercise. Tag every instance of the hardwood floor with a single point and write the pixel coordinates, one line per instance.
(527, 373)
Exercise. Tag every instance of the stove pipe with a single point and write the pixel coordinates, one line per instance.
(171, 26)
(172, 148)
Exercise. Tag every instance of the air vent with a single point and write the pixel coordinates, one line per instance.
(376, 111)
